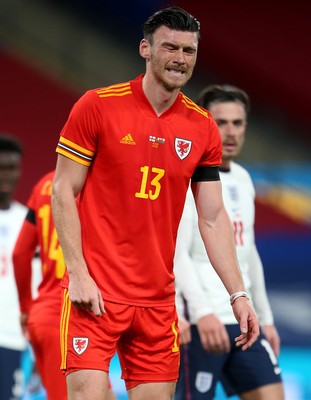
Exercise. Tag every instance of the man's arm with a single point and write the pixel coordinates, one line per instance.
(68, 183)
(217, 234)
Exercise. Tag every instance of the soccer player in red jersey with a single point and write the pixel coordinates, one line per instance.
(126, 156)
(40, 317)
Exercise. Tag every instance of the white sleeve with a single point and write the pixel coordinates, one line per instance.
(258, 289)
(180, 306)
(186, 278)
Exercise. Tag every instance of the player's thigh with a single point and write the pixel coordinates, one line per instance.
(199, 370)
(87, 384)
(251, 369)
(152, 391)
(149, 350)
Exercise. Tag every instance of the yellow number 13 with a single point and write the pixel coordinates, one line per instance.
(155, 182)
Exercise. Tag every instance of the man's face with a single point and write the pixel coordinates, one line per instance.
(231, 120)
(172, 57)
(10, 170)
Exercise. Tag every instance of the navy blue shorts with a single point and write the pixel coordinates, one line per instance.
(239, 371)
(11, 376)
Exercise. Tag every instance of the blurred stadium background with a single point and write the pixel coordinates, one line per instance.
(51, 51)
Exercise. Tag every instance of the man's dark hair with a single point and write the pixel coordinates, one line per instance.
(173, 18)
(221, 94)
(10, 143)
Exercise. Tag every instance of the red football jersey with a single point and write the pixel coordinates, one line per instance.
(39, 231)
(51, 255)
(140, 165)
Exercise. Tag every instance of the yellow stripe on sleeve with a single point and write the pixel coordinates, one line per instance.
(76, 146)
(73, 157)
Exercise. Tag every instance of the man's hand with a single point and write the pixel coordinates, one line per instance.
(273, 338)
(85, 295)
(247, 318)
(213, 334)
(185, 332)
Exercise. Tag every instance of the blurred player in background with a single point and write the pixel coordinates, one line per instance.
(211, 354)
(12, 214)
(40, 317)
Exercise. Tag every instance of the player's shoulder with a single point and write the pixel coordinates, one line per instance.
(194, 109)
(117, 91)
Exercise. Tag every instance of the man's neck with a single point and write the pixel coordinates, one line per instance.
(160, 98)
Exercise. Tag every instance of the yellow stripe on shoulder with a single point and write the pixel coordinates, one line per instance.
(121, 89)
(193, 106)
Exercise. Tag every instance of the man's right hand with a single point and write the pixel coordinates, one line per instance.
(85, 294)
(247, 318)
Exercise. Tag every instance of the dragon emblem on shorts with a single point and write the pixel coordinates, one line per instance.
(80, 344)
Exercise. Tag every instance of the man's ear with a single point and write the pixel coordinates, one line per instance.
(144, 49)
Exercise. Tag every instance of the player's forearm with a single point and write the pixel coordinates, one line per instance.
(67, 223)
(219, 243)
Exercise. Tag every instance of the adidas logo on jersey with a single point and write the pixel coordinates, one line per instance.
(127, 139)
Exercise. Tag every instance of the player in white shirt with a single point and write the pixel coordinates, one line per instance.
(211, 354)
(12, 215)
(15, 358)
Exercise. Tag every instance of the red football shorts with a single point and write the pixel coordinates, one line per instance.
(146, 338)
(44, 337)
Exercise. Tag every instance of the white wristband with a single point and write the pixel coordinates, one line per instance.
(236, 295)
